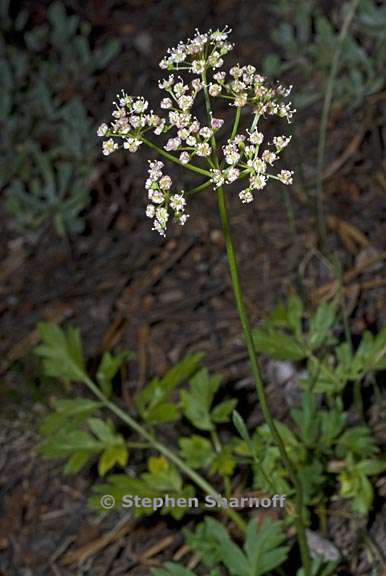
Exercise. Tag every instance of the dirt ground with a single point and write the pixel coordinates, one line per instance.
(124, 287)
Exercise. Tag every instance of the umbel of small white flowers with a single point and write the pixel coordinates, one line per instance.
(242, 155)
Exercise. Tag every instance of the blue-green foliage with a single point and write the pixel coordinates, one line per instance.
(47, 149)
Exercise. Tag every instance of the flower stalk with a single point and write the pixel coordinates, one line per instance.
(241, 155)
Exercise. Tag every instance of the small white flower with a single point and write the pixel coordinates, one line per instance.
(198, 66)
(217, 178)
(166, 83)
(183, 133)
(269, 157)
(281, 142)
(162, 215)
(185, 102)
(158, 227)
(240, 100)
(195, 126)
(140, 105)
(232, 156)
(232, 174)
(258, 181)
(156, 196)
(173, 144)
(119, 113)
(205, 132)
(203, 149)
(258, 165)
(109, 146)
(191, 140)
(103, 128)
(155, 169)
(216, 123)
(285, 176)
(166, 103)
(246, 196)
(132, 144)
(184, 157)
(219, 76)
(256, 137)
(160, 128)
(215, 90)
(178, 202)
(165, 182)
(150, 210)
(182, 219)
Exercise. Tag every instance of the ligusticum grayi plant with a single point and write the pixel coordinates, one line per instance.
(243, 154)
(192, 144)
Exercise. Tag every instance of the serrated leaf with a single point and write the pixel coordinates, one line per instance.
(221, 412)
(61, 352)
(112, 456)
(320, 325)
(197, 451)
(196, 402)
(153, 401)
(277, 345)
(108, 368)
(264, 546)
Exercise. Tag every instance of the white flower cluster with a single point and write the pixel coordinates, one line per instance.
(199, 53)
(130, 118)
(188, 139)
(158, 187)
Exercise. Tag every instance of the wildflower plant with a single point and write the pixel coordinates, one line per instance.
(192, 142)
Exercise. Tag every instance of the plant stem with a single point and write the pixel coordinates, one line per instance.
(183, 466)
(174, 159)
(320, 216)
(236, 123)
(238, 294)
(240, 304)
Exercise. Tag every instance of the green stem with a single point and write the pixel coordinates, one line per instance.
(164, 450)
(320, 216)
(172, 158)
(240, 304)
(236, 123)
(238, 294)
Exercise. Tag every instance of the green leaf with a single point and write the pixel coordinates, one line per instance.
(371, 467)
(197, 451)
(104, 432)
(223, 463)
(162, 475)
(320, 325)
(277, 344)
(307, 418)
(69, 413)
(61, 352)
(196, 402)
(263, 546)
(108, 368)
(76, 462)
(153, 401)
(356, 440)
(112, 456)
(66, 443)
(171, 569)
(221, 413)
(295, 315)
